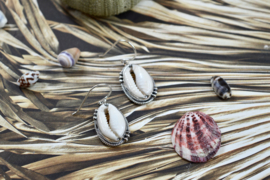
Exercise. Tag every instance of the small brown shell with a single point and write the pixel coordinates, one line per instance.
(221, 88)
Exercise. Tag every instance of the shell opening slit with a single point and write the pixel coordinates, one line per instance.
(137, 84)
(111, 125)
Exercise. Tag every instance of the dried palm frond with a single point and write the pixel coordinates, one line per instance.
(182, 43)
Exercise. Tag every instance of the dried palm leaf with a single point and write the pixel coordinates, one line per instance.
(189, 41)
(22, 172)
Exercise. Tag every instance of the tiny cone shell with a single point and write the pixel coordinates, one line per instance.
(221, 88)
(69, 57)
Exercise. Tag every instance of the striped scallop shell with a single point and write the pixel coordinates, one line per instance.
(196, 137)
(141, 86)
(101, 7)
(28, 79)
(69, 57)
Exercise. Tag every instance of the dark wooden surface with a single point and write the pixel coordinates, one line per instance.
(182, 44)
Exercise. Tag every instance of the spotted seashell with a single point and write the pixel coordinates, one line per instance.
(3, 19)
(138, 82)
(101, 7)
(196, 137)
(221, 88)
(69, 57)
(111, 122)
(28, 79)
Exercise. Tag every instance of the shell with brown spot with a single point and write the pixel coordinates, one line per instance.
(28, 79)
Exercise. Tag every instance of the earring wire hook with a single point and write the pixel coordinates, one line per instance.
(122, 40)
(100, 102)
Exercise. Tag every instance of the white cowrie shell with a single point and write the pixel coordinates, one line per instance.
(143, 87)
(116, 127)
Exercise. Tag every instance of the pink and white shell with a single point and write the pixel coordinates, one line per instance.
(28, 79)
(196, 137)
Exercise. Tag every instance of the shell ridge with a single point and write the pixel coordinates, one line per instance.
(181, 137)
(190, 144)
(208, 127)
(199, 149)
(177, 141)
(208, 133)
(184, 146)
(213, 132)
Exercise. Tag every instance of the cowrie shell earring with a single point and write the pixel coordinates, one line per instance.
(136, 82)
(110, 124)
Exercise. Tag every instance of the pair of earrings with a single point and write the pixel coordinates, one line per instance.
(110, 124)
